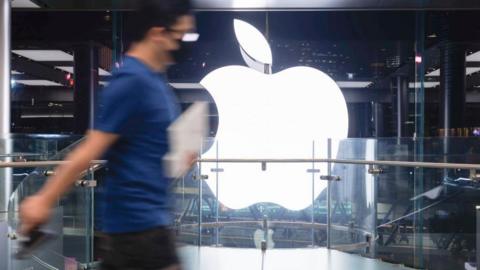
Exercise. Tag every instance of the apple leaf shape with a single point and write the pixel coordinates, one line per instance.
(252, 42)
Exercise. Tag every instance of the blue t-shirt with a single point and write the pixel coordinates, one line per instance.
(138, 105)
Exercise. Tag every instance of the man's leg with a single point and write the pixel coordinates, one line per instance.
(149, 250)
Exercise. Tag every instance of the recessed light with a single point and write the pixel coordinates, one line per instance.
(351, 84)
(45, 55)
(38, 83)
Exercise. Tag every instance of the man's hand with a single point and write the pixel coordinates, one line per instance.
(190, 159)
(34, 211)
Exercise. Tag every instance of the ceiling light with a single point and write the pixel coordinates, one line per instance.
(425, 85)
(433, 73)
(38, 83)
(45, 55)
(101, 71)
(32, 116)
(471, 70)
(67, 69)
(474, 57)
(24, 4)
(350, 84)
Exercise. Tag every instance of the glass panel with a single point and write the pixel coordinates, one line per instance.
(50, 255)
(395, 222)
(73, 220)
(36, 148)
(189, 210)
(353, 198)
(405, 216)
(447, 218)
(248, 194)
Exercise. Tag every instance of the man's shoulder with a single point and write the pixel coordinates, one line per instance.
(128, 82)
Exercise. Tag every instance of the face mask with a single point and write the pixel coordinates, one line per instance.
(183, 52)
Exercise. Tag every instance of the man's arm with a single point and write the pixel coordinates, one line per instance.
(36, 209)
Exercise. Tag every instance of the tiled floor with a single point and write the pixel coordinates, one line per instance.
(212, 258)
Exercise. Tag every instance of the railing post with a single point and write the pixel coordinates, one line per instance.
(91, 217)
(217, 199)
(477, 236)
(373, 240)
(329, 196)
(200, 203)
(313, 195)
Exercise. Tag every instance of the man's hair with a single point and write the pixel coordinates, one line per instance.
(155, 13)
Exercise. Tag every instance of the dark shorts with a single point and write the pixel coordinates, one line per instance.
(153, 249)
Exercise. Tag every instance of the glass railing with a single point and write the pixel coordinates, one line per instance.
(32, 147)
(391, 199)
(72, 218)
(404, 201)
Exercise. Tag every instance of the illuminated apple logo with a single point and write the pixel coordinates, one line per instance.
(264, 115)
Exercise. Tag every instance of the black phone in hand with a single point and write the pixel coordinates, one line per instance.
(31, 242)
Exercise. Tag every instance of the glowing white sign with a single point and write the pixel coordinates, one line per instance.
(271, 116)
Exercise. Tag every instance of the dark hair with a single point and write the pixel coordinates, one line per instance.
(155, 13)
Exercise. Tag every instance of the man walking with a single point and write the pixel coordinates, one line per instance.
(131, 128)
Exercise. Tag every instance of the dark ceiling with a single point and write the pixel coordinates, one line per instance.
(371, 45)
(213, 5)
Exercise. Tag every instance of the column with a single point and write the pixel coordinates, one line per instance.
(5, 174)
(86, 81)
(452, 81)
(401, 85)
(377, 109)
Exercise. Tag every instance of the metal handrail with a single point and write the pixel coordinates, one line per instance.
(273, 223)
(22, 155)
(40, 164)
(434, 165)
